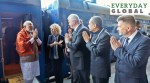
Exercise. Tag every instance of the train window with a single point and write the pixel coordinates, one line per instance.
(148, 29)
(113, 31)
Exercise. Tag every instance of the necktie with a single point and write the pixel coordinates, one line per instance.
(126, 42)
(74, 32)
(55, 48)
(73, 35)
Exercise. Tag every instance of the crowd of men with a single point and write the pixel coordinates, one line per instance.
(89, 50)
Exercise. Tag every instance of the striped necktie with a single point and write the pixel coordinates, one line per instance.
(126, 42)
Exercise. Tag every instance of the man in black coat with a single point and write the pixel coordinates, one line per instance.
(79, 54)
(98, 44)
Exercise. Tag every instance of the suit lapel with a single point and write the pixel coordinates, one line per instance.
(73, 36)
(75, 33)
(134, 40)
(78, 28)
(100, 34)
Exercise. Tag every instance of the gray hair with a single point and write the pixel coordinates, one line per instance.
(27, 22)
(74, 17)
(55, 25)
(130, 19)
(97, 20)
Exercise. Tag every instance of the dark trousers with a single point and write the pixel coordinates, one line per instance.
(81, 76)
(58, 70)
(100, 80)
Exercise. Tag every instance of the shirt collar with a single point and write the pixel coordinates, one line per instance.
(132, 36)
(76, 27)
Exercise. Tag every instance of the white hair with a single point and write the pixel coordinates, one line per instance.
(27, 22)
(74, 17)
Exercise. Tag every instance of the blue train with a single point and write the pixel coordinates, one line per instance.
(14, 13)
(59, 10)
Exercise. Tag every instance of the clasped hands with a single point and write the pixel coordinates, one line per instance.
(67, 38)
(35, 34)
(85, 36)
(115, 43)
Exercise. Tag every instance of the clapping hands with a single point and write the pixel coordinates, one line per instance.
(58, 43)
(67, 38)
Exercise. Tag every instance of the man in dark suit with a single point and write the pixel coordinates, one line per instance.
(57, 45)
(79, 54)
(132, 52)
(99, 46)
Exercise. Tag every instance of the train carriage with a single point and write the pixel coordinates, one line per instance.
(59, 10)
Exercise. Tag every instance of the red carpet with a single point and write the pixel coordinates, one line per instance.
(12, 69)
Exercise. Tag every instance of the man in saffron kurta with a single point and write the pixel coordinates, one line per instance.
(27, 44)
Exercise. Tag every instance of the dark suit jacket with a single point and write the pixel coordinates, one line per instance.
(60, 49)
(100, 63)
(79, 54)
(132, 61)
